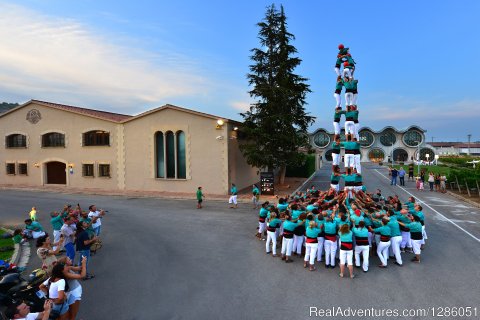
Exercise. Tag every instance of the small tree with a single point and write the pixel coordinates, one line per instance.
(276, 124)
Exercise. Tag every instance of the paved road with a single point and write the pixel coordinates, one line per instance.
(163, 259)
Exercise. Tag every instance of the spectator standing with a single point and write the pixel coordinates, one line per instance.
(83, 244)
(410, 172)
(68, 234)
(94, 213)
(431, 180)
(443, 180)
(57, 222)
(401, 175)
(199, 198)
(394, 174)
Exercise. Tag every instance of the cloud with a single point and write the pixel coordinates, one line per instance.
(241, 106)
(62, 60)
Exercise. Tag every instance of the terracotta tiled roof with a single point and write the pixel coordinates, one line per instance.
(115, 117)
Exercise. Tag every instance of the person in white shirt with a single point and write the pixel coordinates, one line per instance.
(97, 225)
(55, 287)
(22, 312)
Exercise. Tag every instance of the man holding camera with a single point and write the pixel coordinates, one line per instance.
(94, 213)
(22, 311)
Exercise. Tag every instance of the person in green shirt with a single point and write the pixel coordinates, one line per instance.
(17, 236)
(349, 86)
(255, 196)
(273, 224)
(416, 236)
(33, 229)
(336, 148)
(57, 222)
(384, 244)
(200, 197)
(335, 179)
(346, 249)
(337, 116)
(233, 197)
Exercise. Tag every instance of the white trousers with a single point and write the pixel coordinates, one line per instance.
(330, 251)
(349, 160)
(261, 227)
(233, 199)
(406, 242)
(347, 72)
(271, 237)
(336, 159)
(370, 239)
(336, 127)
(382, 251)
(337, 71)
(356, 128)
(349, 127)
(335, 187)
(287, 245)
(416, 244)
(356, 163)
(364, 251)
(321, 241)
(311, 252)
(424, 235)
(395, 248)
(56, 238)
(355, 98)
(348, 98)
(297, 244)
(338, 99)
(346, 256)
(37, 234)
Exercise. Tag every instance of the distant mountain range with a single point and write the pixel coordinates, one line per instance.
(5, 106)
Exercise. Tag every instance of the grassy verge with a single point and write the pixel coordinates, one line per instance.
(5, 255)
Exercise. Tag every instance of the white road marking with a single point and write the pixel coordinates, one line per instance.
(426, 204)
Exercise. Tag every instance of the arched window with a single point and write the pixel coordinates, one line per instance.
(96, 138)
(159, 155)
(170, 154)
(53, 139)
(16, 141)
(181, 156)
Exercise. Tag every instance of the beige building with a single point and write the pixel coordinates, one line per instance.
(168, 149)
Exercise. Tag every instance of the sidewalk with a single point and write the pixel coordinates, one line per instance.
(244, 196)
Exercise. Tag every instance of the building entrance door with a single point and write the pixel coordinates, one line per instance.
(56, 173)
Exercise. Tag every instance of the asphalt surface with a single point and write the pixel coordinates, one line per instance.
(164, 259)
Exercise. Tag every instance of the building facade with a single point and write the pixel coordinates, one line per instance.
(457, 148)
(385, 145)
(168, 149)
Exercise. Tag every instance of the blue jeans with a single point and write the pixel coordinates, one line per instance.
(97, 230)
(70, 251)
(394, 181)
(85, 253)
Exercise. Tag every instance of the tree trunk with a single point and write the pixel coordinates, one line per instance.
(281, 175)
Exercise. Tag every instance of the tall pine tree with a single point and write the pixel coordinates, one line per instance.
(276, 124)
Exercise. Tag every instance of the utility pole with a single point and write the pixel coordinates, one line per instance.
(432, 139)
(469, 136)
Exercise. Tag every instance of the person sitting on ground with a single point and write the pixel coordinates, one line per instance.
(33, 229)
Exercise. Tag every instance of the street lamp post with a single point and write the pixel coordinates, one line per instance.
(469, 136)
(428, 156)
(418, 157)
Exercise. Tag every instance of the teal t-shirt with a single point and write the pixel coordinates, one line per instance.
(233, 191)
(289, 225)
(330, 227)
(346, 237)
(384, 231)
(275, 223)
(312, 232)
(282, 207)
(360, 232)
(56, 222)
(394, 227)
(414, 226)
(34, 226)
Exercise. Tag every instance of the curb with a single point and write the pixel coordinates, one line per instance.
(473, 203)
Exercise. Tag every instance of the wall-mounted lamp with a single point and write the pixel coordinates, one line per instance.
(235, 128)
(219, 138)
(220, 123)
(71, 165)
(36, 165)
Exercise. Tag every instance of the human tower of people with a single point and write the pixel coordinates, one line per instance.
(352, 176)
(316, 223)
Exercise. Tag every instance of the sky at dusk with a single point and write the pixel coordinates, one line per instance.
(416, 60)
